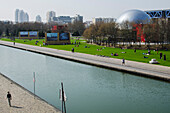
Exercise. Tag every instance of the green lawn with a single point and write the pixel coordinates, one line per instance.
(106, 51)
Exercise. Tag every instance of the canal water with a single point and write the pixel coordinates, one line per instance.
(88, 89)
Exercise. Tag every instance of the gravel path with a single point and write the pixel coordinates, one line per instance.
(22, 100)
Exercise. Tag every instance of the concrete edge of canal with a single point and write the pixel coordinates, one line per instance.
(28, 99)
(137, 72)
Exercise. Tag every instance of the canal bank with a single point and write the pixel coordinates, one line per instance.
(89, 89)
(137, 68)
(22, 99)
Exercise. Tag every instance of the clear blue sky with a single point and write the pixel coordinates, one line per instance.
(87, 8)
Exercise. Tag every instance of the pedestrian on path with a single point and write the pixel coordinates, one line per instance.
(123, 61)
(14, 43)
(73, 50)
(9, 97)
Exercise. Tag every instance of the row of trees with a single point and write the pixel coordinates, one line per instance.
(100, 33)
(157, 32)
(10, 29)
(110, 33)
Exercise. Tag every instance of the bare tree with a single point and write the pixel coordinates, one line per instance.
(111, 31)
(77, 28)
(126, 29)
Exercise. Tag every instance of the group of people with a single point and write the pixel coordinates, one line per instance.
(161, 55)
(114, 54)
(99, 49)
(86, 46)
(75, 43)
(123, 60)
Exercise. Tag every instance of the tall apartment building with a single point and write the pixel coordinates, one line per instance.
(16, 15)
(50, 16)
(38, 18)
(26, 17)
(105, 20)
(21, 16)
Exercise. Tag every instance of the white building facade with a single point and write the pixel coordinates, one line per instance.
(88, 23)
(77, 18)
(50, 16)
(62, 19)
(104, 20)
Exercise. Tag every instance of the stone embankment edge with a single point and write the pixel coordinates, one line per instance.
(39, 98)
(131, 71)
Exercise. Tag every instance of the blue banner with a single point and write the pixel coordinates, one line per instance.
(64, 36)
(23, 34)
(52, 36)
(33, 33)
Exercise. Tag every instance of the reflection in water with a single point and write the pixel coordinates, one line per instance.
(89, 89)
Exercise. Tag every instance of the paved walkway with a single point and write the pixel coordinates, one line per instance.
(144, 69)
(22, 100)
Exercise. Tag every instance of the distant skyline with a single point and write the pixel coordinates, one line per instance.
(89, 9)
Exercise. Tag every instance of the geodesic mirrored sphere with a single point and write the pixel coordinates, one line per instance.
(136, 16)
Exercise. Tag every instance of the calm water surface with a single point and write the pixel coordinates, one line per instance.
(88, 89)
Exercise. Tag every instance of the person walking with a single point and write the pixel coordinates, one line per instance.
(73, 50)
(9, 97)
(123, 61)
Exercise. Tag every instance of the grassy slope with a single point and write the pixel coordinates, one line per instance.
(106, 51)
